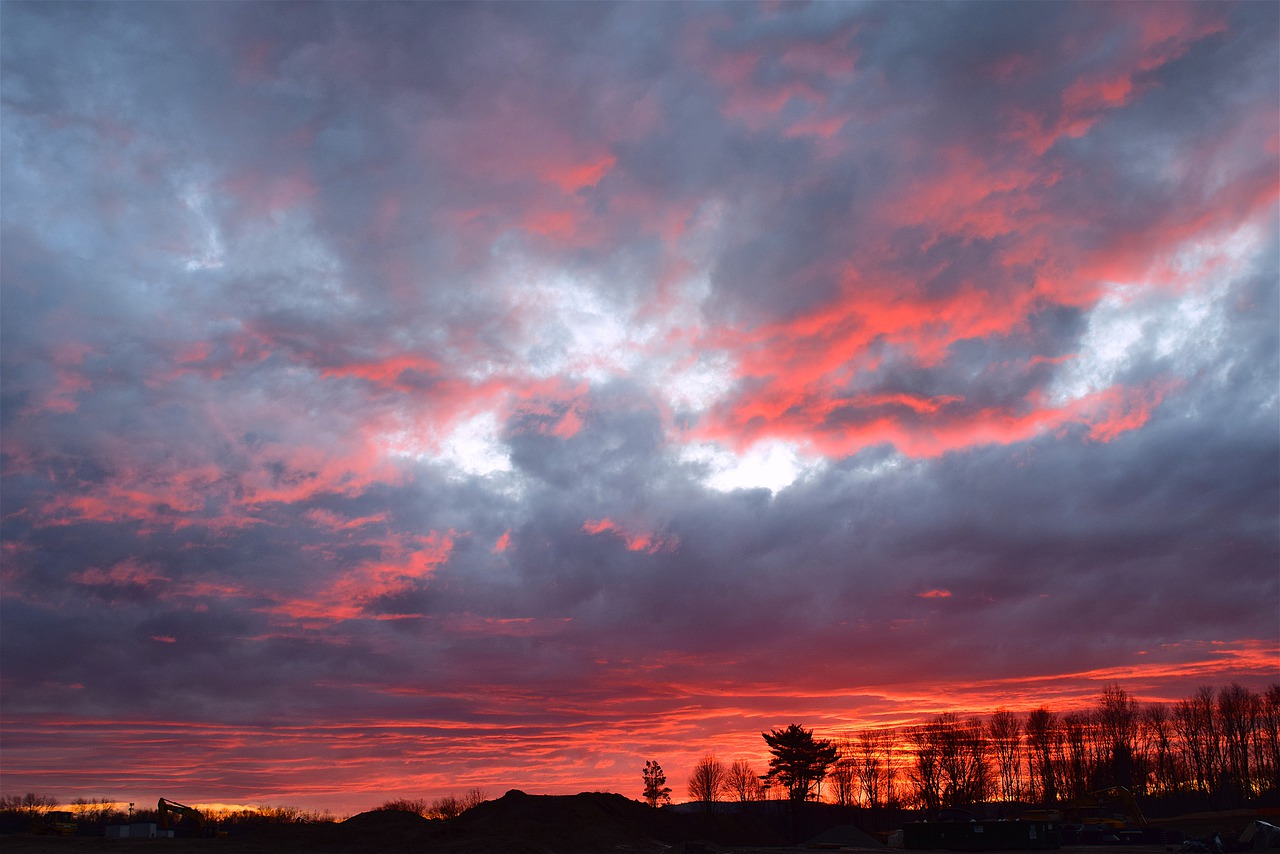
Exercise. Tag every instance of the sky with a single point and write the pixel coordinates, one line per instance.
(404, 398)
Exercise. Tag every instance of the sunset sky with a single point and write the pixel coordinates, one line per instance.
(400, 398)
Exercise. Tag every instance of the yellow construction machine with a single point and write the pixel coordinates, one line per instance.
(56, 823)
(1113, 808)
(176, 816)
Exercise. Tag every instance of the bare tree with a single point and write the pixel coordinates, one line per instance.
(417, 806)
(447, 806)
(708, 780)
(873, 766)
(926, 773)
(30, 803)
(1044, 744)
(892, 767)
(844, 775)
(1119, 762)
(968, 764)
(1077, 765)
(951, 761)
(97, 811)
(743, 783)
(1267, 735)
(1157, 728)
(1239, 711)
(1195, 721)
(1005, 731)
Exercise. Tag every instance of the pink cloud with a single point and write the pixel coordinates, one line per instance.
(126, 573)
(406, 561)
(503, 543)
(636, 541)
(262, 195)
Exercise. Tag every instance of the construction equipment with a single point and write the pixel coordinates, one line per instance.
(56, 823)
(1113, 808)
(174, 815)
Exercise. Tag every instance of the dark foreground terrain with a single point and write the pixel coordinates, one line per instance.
(517, 823)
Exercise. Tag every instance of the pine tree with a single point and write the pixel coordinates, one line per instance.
(800, 761)
(656, 791)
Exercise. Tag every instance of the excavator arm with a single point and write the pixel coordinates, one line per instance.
(172, 812)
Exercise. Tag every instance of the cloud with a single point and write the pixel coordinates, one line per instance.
(403, 398)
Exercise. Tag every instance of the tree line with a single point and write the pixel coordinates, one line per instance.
(444, 807)
(1217, 749)
(20, 813)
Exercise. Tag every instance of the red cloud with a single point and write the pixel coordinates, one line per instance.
(571, 177)
(761, 80)
(406, 560)
(1150, 41)
(643, 541)
(388, 372)
(334, 522)
(503, 543)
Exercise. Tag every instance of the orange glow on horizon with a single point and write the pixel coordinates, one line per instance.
(341, 766)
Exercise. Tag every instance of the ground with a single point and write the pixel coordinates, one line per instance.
(48, 845)
(589, 823)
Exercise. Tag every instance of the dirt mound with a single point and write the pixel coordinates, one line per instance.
(587, 822)
(846, 836)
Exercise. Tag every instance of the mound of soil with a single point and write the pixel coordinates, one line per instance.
(588, 822)
(518, 823)
(845, 836)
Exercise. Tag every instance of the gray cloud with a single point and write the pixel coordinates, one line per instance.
(366, 369)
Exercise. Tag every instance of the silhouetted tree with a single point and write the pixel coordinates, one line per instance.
(800, 761)
(1005, 732)
(708, 780)
(742, 782)
(414, 805)
(965, 768)
(1267, 740)
(875, 766)
(951, 762)
(655, 784)
(1118, 764)
(1044, 743)
(926, 774)
(448, 806)
(1078, 759)
(1157, 735)
(844, 775)
(1195, 722)
(1239, 711)
(30, 802)
(97, 811)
